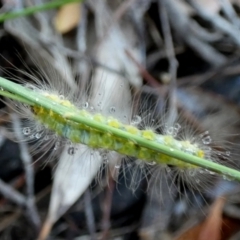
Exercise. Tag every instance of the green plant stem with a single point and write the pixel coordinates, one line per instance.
(15, 97)
(40, 100)
(34, 9)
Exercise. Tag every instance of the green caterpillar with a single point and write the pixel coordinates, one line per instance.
(97, 131)
(80, 133)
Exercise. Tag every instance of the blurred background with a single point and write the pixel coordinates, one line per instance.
(186, 51)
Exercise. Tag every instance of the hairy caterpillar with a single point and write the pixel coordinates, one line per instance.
(55, 130)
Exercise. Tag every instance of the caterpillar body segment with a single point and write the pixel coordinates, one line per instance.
(79, 133)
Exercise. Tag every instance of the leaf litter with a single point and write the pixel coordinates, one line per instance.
(103, 31)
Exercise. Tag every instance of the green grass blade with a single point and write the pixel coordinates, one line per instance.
(38, 99)
(15, 97)
(34, 9)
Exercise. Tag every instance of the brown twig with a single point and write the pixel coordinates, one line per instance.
(154, 57)
(173, 64)
(227, 69)
(217, 21)
(107, 205)
(230, 12)
(89, 214)
(145, 74)
(10, 193)
(182, 26)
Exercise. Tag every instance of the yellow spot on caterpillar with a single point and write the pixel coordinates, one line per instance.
(168, 140)
(67, 114)
(84, 113)
(94, 139)
(186, 144)
(145, 153)
(193, 149)
(200, 153)
(128, 148)
(132, 130)
(57, 99)
(99, 118)
(162, 158)
(51, 113)
(114, 123)
(180, 164)
(107, 140)
(38, 110)
(148, 134)
(66, 103)
(42, 111)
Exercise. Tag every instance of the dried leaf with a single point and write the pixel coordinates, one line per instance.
(67, 18)
(114, 42)
(210, 228)
(72, 177)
